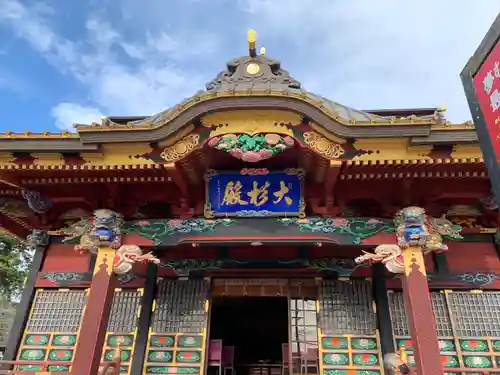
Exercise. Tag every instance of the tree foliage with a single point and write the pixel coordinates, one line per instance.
(14, 262)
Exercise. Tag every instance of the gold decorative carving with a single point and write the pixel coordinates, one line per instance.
(251, 122)
(253, 68)
(323, 146)
(413, 258)
(105, 255)
(325, 133)
(181, 148)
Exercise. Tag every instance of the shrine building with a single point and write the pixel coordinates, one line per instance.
(254, 228)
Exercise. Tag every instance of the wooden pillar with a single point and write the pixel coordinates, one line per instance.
(141, 341)
(40, 240)
(420, 314)
(383, 312)
(88, 351)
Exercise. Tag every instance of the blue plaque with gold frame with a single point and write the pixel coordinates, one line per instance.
(255, 193)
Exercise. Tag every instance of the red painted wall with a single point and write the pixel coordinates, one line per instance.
(429, 264)
(472, 256)
(63, 258)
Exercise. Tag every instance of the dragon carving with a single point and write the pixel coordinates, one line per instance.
(103, 228)
(415, 228)
(390, 256)
(127, 255)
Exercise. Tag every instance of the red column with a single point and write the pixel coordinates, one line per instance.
(420, 314)
(90, 343)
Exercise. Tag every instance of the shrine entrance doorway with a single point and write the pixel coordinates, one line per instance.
(257, 329)
(271, 323)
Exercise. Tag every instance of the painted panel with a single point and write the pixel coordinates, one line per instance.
(52, 328)
(178, 332)
(473, 340)
(122, 326)
(255, 192)
(311, 230)
(349, 341)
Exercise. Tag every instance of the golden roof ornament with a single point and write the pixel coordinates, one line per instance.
(252, 41)
(247, 72)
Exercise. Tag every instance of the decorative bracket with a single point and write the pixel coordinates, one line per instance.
(36, 202)
(37, 238)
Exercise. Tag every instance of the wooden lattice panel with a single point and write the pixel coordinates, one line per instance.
(52, 329)
(304, 336)
(177, 339)
(467, 326)
(349, 341)
(122, 326)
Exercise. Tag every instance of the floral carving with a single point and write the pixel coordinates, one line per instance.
(357, 228)
(181, 148)
(252, 148)
(323, 146)
(156, 229)
(478, 278)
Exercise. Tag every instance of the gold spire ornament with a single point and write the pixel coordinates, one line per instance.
(252, 40)
(262, 51)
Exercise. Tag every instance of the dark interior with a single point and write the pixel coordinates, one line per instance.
(255, 326)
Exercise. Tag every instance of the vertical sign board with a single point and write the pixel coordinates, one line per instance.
(481, 81)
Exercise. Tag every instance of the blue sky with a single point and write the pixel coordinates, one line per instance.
(67, 61)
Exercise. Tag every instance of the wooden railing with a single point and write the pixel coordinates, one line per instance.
(6, 367)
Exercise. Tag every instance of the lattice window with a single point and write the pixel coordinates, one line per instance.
(123, 316)
(348, 325)
(476, 315)
(473, 340)
(52, 329)
(122, 326)
(441, 315)
(180, 306)
(346, 308)
(56, 311)
(177, 340)
(399, 318)
(304, 336)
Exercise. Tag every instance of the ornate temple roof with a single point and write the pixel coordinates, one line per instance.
(259, 73)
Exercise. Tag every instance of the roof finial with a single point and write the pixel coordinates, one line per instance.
(262, 51)
(252, 38)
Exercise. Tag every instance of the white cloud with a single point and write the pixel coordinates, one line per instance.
(67, 114)
(146, 85)
(379, 54)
